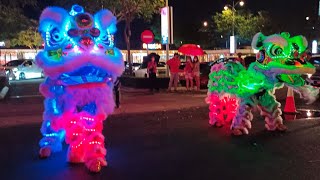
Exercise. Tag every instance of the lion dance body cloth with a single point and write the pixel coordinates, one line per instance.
(80, 64)
(233, 91)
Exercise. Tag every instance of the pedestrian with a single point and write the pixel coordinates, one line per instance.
(152, 72)
(188, 74)
(240, 60)
(196, 71)
(116, 90)
(174, 65)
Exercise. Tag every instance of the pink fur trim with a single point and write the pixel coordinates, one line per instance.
(106, 18)
(55, 14)
(277, 39)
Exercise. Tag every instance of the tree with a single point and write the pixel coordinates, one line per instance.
(246, 24)
(156, 28)
(128, 10)
(30, 38)
(12, 18)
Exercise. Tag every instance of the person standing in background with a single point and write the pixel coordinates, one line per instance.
(240, 60)
(152, 72)
(188, 74)
(174, 65)
(116, 89)
(196, 71)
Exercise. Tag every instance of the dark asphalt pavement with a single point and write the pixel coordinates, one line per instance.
(173, 144)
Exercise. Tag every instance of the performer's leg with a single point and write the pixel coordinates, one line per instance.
(270, 109)
(242, 121)
(215, 107)
(52, 138)
(95, 151)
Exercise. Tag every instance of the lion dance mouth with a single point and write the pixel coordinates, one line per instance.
(80, 64)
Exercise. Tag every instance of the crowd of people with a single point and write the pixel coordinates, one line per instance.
(191, 72)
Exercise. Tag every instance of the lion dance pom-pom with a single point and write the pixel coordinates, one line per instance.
(80, 64)
(234, 91)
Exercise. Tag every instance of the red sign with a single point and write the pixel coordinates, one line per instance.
(147, 36)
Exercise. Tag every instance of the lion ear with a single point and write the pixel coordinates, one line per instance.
(52, 16)
(106, 20)
(257, 41)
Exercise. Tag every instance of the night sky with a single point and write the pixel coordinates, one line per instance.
(289, 14)
(190, 14)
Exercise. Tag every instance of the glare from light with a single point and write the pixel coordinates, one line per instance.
(309, 113)
(232, 44)
(226, 7)
(309, 75)
(314, 47)
(241, 3)
(307, 18)
(205, 24)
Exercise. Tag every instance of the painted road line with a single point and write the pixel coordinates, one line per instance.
(312, 110)
(25, 96)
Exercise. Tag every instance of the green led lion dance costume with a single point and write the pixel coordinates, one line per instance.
(234, 91)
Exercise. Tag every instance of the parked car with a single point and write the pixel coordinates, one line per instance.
(10, 65)
(314, 79)
(27, 70)
(135, 66)
(4, 83)
(142, 71)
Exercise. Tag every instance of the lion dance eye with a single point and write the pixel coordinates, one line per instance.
(105, 40)
(276, 51)
(55, 37)
(295, 46)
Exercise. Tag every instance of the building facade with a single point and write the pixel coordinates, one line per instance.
(7, 55)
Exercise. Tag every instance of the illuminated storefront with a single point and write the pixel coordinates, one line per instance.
(7, 55)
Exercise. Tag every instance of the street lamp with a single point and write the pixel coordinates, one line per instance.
(205, 24)
(226, 7)
(307, 18)
(232, 38)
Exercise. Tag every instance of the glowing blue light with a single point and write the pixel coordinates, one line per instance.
(76, 9)
(67, 28)
(48, 38)
(76, 49)
(110, 38)
(54, 106)
(51, 135)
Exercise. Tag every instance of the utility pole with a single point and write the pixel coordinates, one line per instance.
(168, 41)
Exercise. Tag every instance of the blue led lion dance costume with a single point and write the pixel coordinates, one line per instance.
(81, 65)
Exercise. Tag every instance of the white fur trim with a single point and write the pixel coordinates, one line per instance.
(106, 19)
(55, 15)
(255, 40)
